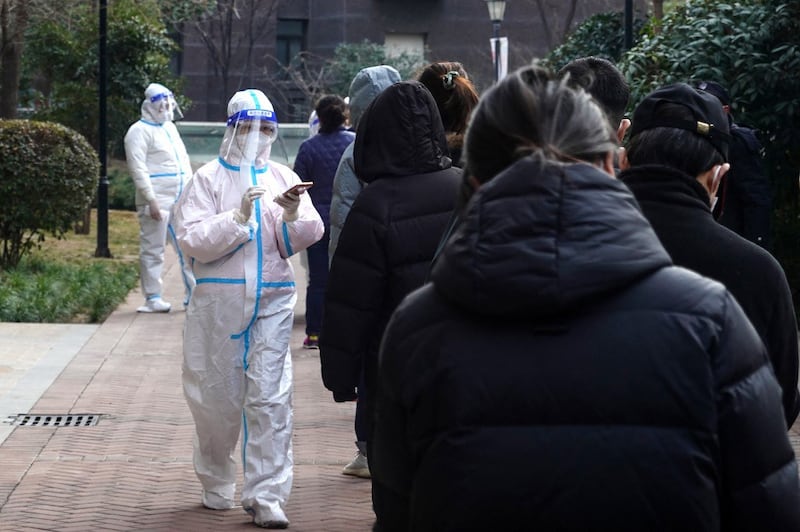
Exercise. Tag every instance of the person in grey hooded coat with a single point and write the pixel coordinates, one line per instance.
(366, 85)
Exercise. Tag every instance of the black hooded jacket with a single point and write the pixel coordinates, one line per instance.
(677, 207)
(391, 232)
(560, 374)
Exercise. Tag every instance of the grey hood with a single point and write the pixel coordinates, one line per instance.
(366, 85)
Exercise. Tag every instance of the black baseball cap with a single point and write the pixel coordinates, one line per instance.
(710, 120)
(712, 87)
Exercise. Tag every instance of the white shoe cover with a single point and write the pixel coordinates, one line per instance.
(155, 305)
(213, 501)
(274, 518)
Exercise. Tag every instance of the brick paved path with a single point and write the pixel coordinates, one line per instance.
(133, 470)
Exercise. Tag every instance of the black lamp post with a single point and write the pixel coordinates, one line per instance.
(102, 187)
(628, 24)
(497, 10)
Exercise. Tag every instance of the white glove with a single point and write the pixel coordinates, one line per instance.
(243, 213)
(155, 211)
(290, 202)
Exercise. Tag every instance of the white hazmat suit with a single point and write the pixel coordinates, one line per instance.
(237, 371)
(159, 166)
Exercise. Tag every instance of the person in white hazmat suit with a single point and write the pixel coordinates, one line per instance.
(159, 165)
(239, 226)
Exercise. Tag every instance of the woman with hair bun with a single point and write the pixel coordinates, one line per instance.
(455, 97)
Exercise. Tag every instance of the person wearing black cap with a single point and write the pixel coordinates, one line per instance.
(673, 163)
(745, 195)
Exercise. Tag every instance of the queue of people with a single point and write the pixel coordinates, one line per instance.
(525, 293)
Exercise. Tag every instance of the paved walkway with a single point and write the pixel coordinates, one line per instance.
(133, 470)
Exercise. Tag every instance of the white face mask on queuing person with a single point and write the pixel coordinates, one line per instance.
(239, 228)
(159, 166)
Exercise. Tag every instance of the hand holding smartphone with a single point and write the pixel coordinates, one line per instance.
(299, 188)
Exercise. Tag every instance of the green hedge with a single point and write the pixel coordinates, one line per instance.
(48, 176)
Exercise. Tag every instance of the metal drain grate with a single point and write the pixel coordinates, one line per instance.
(55, 420)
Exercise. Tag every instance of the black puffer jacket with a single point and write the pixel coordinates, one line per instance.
(392, 231)
(560, 374)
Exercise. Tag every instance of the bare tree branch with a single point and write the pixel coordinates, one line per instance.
(231, 32)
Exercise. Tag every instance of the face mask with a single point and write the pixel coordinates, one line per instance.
(714, 182)
(251, 148)
(162, 110)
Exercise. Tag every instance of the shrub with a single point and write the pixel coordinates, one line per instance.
(61, 55)
(753, 48)
(601, 35)
(46, 291)
(121, 190)
(349, 58)
(48, 175)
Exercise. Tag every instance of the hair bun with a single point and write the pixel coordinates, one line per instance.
(449, 80)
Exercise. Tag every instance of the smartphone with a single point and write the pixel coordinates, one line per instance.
(299, 188)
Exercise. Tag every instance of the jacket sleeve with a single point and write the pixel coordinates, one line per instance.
(184, 163)
(355, 294)
(346, 187)
(297, 235)
(761, 487)
(782, 345)
(392, 462)
(136, 146)
(201, 231)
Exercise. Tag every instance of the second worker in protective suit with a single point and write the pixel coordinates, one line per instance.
(239, 226)
(159, 166)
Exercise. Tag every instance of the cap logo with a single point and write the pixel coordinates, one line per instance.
(704, 129)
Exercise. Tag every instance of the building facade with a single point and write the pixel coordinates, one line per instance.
(282, 46)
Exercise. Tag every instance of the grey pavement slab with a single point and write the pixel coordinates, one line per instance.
(32, 355)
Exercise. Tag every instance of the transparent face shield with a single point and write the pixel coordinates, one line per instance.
(248, 137)
(165, 107)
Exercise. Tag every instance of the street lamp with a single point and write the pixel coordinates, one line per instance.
(497, 10)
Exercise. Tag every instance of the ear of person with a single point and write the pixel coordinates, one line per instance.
(711, 178)
(624, 124)
(622, 157)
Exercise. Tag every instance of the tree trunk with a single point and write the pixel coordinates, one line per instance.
(658, 14)
(13, 21)
(658, 9)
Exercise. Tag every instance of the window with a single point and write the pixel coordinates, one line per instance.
(410, 44)
(291, 39)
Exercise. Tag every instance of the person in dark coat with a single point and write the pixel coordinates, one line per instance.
(559, 372)
(745, 194)
(316, 161)
(674, 173)
(605, 82)
(390, 234)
